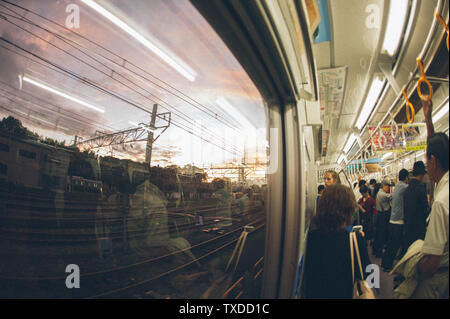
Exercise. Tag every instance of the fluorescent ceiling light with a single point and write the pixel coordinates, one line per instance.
(372, 96)
(420, 154)
(440, 113)
(396, 22)
(350, 143)
(184, 70)
(386, 156)
(60, 93)
(149, 129)
(233, 112)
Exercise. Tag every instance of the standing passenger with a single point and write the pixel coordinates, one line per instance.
(331, 178)
(319, 193)
(433, 267)
(415, 206)
(367, 210)
(372, 183)
(383, 204)
(396, 222)
(327, 273)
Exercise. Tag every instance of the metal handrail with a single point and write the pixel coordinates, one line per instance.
(411, 79)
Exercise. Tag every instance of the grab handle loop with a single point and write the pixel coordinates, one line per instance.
(441, 20)
(423, 78)
(394, 129)
(410, 112)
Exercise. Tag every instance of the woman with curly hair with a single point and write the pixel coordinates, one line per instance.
(328, 273)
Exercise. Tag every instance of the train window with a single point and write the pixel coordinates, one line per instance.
(27, 154)
(4, 147)
(152, 154)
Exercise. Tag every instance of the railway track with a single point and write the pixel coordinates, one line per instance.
(125, 279)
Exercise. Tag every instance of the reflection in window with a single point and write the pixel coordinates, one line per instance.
(150, 197)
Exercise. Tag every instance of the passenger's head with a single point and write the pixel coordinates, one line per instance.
(376, 188)
(331, 178)
(372, 182)
(385, 185)
(320, 189)
(362, 182)
(335, 208)
(364, 190)
(437, 155)
(403, 175)
(419, 170)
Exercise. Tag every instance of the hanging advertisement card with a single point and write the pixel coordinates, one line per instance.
(415, 136)
(386, 140)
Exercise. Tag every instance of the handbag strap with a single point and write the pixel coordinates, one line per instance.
(352, 257)
(355, 240)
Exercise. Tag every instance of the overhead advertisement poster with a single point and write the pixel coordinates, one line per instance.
(386, 140)
(415, 136)
(323, 34)
(331, 90)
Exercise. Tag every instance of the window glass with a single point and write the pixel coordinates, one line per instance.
(149, 151)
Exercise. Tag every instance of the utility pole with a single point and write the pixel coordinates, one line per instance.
(148, 150)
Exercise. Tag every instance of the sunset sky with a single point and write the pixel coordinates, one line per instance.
(205, 104)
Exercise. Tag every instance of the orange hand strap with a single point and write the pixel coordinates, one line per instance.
(410, 112)
(441, 20)
(422, 79)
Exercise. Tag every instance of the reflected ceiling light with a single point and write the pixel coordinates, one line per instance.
(386, 156)
(60, 93)
(49, 123)
(149, 129)
(184, 70)
(350, 143)
(372, 96)
(233, 112)
(396, 22)
(341, 158)
(440, 113)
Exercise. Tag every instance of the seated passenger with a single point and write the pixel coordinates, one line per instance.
(328, 269)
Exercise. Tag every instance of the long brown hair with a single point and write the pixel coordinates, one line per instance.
(335, 209)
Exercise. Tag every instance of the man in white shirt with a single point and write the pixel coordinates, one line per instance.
(433, 267)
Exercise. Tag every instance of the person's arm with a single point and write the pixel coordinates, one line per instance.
(435, 241)
(361, 208)
(429, 265)
(427, 107)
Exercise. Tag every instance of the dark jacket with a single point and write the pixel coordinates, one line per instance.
(328, 273)
(415, 211)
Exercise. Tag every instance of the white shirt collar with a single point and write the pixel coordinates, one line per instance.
(442, 184)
